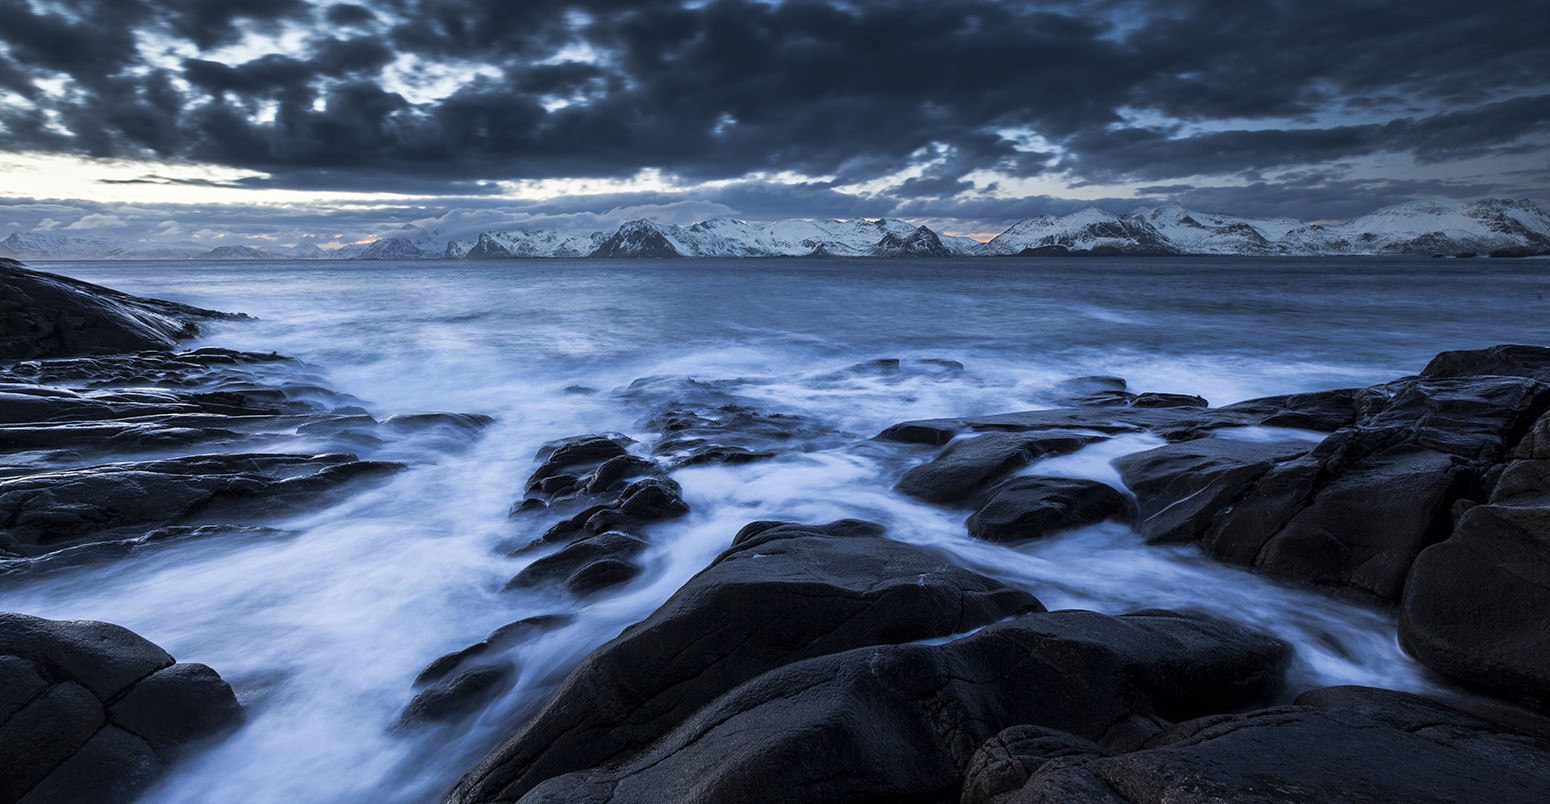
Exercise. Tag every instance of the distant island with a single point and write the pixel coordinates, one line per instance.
(1492, 227)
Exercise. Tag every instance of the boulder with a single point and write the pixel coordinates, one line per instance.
(586, 565)
(1180, 488)
(1476, 604)
(967, 467)
(903, 722)
(1025, 508)
(46, 315)
(1507, 360)
(1348, 744)
(92, 712)
(782, 593)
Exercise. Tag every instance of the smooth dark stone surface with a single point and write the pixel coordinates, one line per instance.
(1509, 360)
(1349, 744)
(93, 712)
(782, 594)
(46, 315)
(1025, 508)
(902, 722)
(966, 468)
(45, 513)
(1476, 605)
(1180, 488)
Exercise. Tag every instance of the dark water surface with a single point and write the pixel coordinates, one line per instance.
(322, 634)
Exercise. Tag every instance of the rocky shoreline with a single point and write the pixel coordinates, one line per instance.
(820, 662)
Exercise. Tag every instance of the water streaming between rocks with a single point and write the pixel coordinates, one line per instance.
(321, 633)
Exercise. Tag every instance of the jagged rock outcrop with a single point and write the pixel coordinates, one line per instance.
(92, 712)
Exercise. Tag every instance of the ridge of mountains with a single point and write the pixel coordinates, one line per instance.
(1419, 228)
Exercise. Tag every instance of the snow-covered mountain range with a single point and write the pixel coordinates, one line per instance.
(1451, 228)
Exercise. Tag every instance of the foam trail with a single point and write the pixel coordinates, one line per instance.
(322, 632)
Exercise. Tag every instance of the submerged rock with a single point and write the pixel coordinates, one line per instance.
(92, 712)
(781, 594)
(1349, 744)
(46, 315)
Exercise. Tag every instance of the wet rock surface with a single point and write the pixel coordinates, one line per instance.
(93, 712)
(967, 467)
(1476, 604)
(48, 512)
(1027, 508)
(47, 315)
(606, 496)
(902, 722)
(781, 594)
(1337, 744)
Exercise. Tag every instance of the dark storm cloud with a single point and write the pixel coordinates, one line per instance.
(1117, 90)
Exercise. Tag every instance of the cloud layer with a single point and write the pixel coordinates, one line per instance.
(960, 111)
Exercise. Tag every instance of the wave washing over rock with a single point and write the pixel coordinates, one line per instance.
(657, 556)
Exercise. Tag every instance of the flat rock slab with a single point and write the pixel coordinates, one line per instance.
(92, 712)
(781, 594)
(49, 512)
(1348, 744)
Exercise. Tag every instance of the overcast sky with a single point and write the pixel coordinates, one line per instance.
(332, 122)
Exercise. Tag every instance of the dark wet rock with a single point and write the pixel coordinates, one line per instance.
(97, 552)
(1153, 400)
(1108, 420)
(903, 722)
(563, 458)
(606, 497)
(1094, 390)
(499, 639)
(93, 712)
(1476, 604)
(1025, 508)
(1357, 510)
(585, 565)
(1113, 412)
(1507, 360)
(1321, 411)
(49, 512)
(782, 594)
(455, 698)
(1180, 488)
(967, 467)
(46, 315)
(1348, 744)
(707, 421)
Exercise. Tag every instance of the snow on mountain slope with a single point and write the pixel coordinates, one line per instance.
(1431, 227)
(50, 246)
(1210, 233)
(525, 243)
(1091, 229)
(409, 243)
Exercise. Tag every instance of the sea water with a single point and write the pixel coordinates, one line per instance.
(322, 633)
